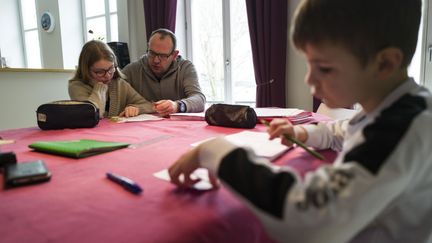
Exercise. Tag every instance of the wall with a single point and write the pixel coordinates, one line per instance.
(136, 32)
(297, 92)
(22, 92)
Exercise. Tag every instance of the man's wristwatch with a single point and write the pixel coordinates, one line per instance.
(181, 106)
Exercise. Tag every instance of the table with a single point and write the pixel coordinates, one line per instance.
(80, 205)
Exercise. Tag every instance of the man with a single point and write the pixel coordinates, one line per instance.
(164, 77)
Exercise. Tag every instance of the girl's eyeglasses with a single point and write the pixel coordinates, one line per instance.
(102, 72)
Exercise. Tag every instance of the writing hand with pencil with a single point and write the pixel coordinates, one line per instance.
(289, 134)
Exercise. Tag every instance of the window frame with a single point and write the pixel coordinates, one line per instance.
(227, 58)
(107, 16)
(25, 31)
(426, 47)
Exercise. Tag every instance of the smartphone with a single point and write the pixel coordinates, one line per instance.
(26, 173)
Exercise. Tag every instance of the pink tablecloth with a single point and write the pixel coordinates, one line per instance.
(80, 205)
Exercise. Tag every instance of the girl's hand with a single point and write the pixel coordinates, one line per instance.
(130, 111)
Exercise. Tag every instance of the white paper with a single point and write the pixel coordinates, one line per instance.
(200, 116)
(200, 173)
(139, 118)
(276, 112)
(259, 142)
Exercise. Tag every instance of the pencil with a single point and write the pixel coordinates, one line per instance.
(293, 140)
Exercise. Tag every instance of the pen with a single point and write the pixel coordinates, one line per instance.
(126, 183)
(293, 140)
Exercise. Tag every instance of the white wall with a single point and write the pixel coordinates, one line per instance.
(297, 92)
(136, 32)
(22, 92)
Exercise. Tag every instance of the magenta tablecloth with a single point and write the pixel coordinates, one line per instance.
(80, 205)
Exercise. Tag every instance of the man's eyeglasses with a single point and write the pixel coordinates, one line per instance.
(163, 57)
(102, 72)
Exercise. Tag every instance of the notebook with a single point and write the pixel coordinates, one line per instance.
(76, 148)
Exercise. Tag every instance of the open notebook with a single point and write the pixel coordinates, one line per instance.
(76, 148)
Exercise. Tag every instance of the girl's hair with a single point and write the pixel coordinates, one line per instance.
(92, 52)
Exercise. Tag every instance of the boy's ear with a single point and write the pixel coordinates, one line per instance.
(389, 60)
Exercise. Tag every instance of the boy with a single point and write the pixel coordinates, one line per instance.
(379, 187)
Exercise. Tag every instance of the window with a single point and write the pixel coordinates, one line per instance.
(421, 64)
(425, 47)
(220, 49)
(100, 19)
(30, 34)
(415, 67)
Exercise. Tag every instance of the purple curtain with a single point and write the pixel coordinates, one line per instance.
(159, 14)
(268, 30)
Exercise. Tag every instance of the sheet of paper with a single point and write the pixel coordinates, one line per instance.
(259, 142)
(276, 112)
(201, 173)
(200, 116)
(139, 118)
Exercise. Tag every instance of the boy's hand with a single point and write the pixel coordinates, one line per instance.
(130, 111)
(184, 167)
(278, 127)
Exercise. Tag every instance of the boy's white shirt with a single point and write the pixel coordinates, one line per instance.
(395, 205)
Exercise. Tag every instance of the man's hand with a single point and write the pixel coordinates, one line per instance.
(130, 111)
(165, 107)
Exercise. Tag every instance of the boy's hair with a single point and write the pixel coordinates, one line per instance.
(364, 27)
(92, 52)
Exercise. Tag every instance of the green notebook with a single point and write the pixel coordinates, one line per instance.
(76, 148)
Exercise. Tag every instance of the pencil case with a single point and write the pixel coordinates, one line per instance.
(67, 114)
(225, 115)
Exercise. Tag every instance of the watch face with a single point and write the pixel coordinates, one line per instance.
(182, 107)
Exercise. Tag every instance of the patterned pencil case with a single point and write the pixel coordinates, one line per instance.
(67, 114)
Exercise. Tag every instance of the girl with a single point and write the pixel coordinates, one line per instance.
(98, 80)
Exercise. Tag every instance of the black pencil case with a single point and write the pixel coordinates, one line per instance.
(67, 114)
(225, 115)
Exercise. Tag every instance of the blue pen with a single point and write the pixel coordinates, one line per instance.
(126, 183)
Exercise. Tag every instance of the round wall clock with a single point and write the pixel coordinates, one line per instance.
(47, 22)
